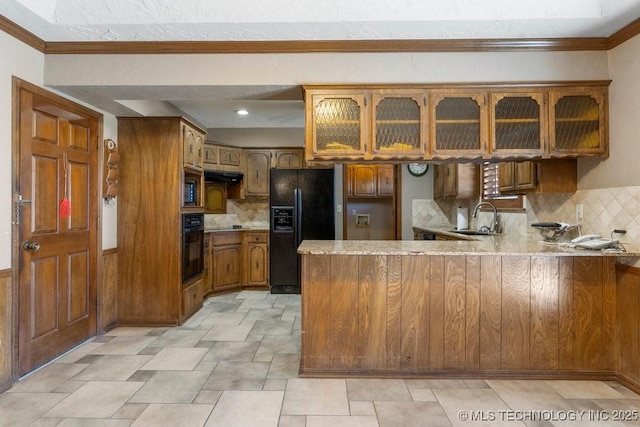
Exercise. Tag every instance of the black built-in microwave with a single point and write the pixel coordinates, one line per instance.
(191, 192)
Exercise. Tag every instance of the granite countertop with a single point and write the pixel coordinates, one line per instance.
(479, 245)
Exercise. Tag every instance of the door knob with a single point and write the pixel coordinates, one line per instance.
(30, 246)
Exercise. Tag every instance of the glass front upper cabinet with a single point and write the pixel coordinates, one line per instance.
(337, 126)
(578, 122)
(399, 129)
(458, 125)
(518, 125)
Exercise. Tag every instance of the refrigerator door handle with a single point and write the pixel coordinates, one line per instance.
(297, 211)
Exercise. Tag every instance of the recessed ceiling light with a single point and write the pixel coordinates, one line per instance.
(242, 112)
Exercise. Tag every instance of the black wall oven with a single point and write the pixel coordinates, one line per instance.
(192, 245)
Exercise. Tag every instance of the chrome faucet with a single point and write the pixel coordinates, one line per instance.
(494, 224)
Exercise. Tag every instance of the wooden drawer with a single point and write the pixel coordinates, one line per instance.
(192, 298)
(230, 238)
(257, 237)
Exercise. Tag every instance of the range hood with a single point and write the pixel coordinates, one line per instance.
(222, 176)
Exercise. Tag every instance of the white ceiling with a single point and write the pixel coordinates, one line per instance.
(252, 20)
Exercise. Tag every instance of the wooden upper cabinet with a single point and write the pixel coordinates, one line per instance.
(193, 147)
(386, 180)
(458, 124)
(456, 180)
(336, 125)
(256, 178)
(210, 156)
(578, 122)
(289, 159)
(230, 156)
(364, 180)
(516, 177)
(398, 122)
(466, 122)
(518, 124)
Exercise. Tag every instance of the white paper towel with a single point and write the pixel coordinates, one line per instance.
(462, 218)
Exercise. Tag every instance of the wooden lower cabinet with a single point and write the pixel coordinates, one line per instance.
(238, 259)
(226, 260)
(256, 258)
(192, 296)
(491, 315)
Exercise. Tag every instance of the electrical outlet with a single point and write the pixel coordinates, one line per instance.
(338, 208)
(579, 211)
(354, 212)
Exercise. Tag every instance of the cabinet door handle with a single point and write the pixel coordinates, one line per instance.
(228, 267)
(257, 265)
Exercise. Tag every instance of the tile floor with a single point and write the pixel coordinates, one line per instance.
(235, 363)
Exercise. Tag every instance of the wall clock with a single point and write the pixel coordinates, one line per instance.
(418, 169)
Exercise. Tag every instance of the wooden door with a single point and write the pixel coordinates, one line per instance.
(57, 273)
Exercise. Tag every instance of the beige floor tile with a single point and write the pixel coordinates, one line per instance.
(130, 410)
(78, 353)
(124, 345)
(310, 396)
(584, 390)
(529, 395)
(92, 422)
(208, 396)
(341, 421)
(292, 421)
(24, 408)
(284, 365)
(409, 414)
(361, 407)
(175, 359)
(231, 351)
(129, 331)
(173, 415)
(280, 344)
(223, 319)
(46, 422)
(48, 378)
(95, 399)
(422, 395)
(238, 376)
(247, 408)
(276, 384)
(112, 367)
(437, 383)
(228, 333)
(462, 404)
(171, 387)
(179, 338)
(377, 389)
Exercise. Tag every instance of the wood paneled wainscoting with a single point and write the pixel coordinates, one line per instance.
(463, 316)
(108, 295)
(628, 325)
(6, 325)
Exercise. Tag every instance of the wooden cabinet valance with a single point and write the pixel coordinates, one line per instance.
(440, 122)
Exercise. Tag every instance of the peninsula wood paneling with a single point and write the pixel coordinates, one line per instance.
(316, 305)
(490, 312)
(543, 349)
(485, 314)
(628, 323)
(344, 311)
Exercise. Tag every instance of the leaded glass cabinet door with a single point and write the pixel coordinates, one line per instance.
(518, 124)
(337, 128)
(458, 125)
(399, 129)
(578, 122)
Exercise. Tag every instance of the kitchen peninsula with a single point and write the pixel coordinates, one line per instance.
(500, 306)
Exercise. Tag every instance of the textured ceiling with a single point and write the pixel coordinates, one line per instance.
(262, 20)
(145, 20)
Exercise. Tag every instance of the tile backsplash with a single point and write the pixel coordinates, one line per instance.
(604, 210)
(249, 213)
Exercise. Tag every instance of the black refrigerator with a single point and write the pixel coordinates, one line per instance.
(301, 202)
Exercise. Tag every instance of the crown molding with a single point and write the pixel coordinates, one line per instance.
(327, 46)
(21, 34)
(320, 46)
(624, 34)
